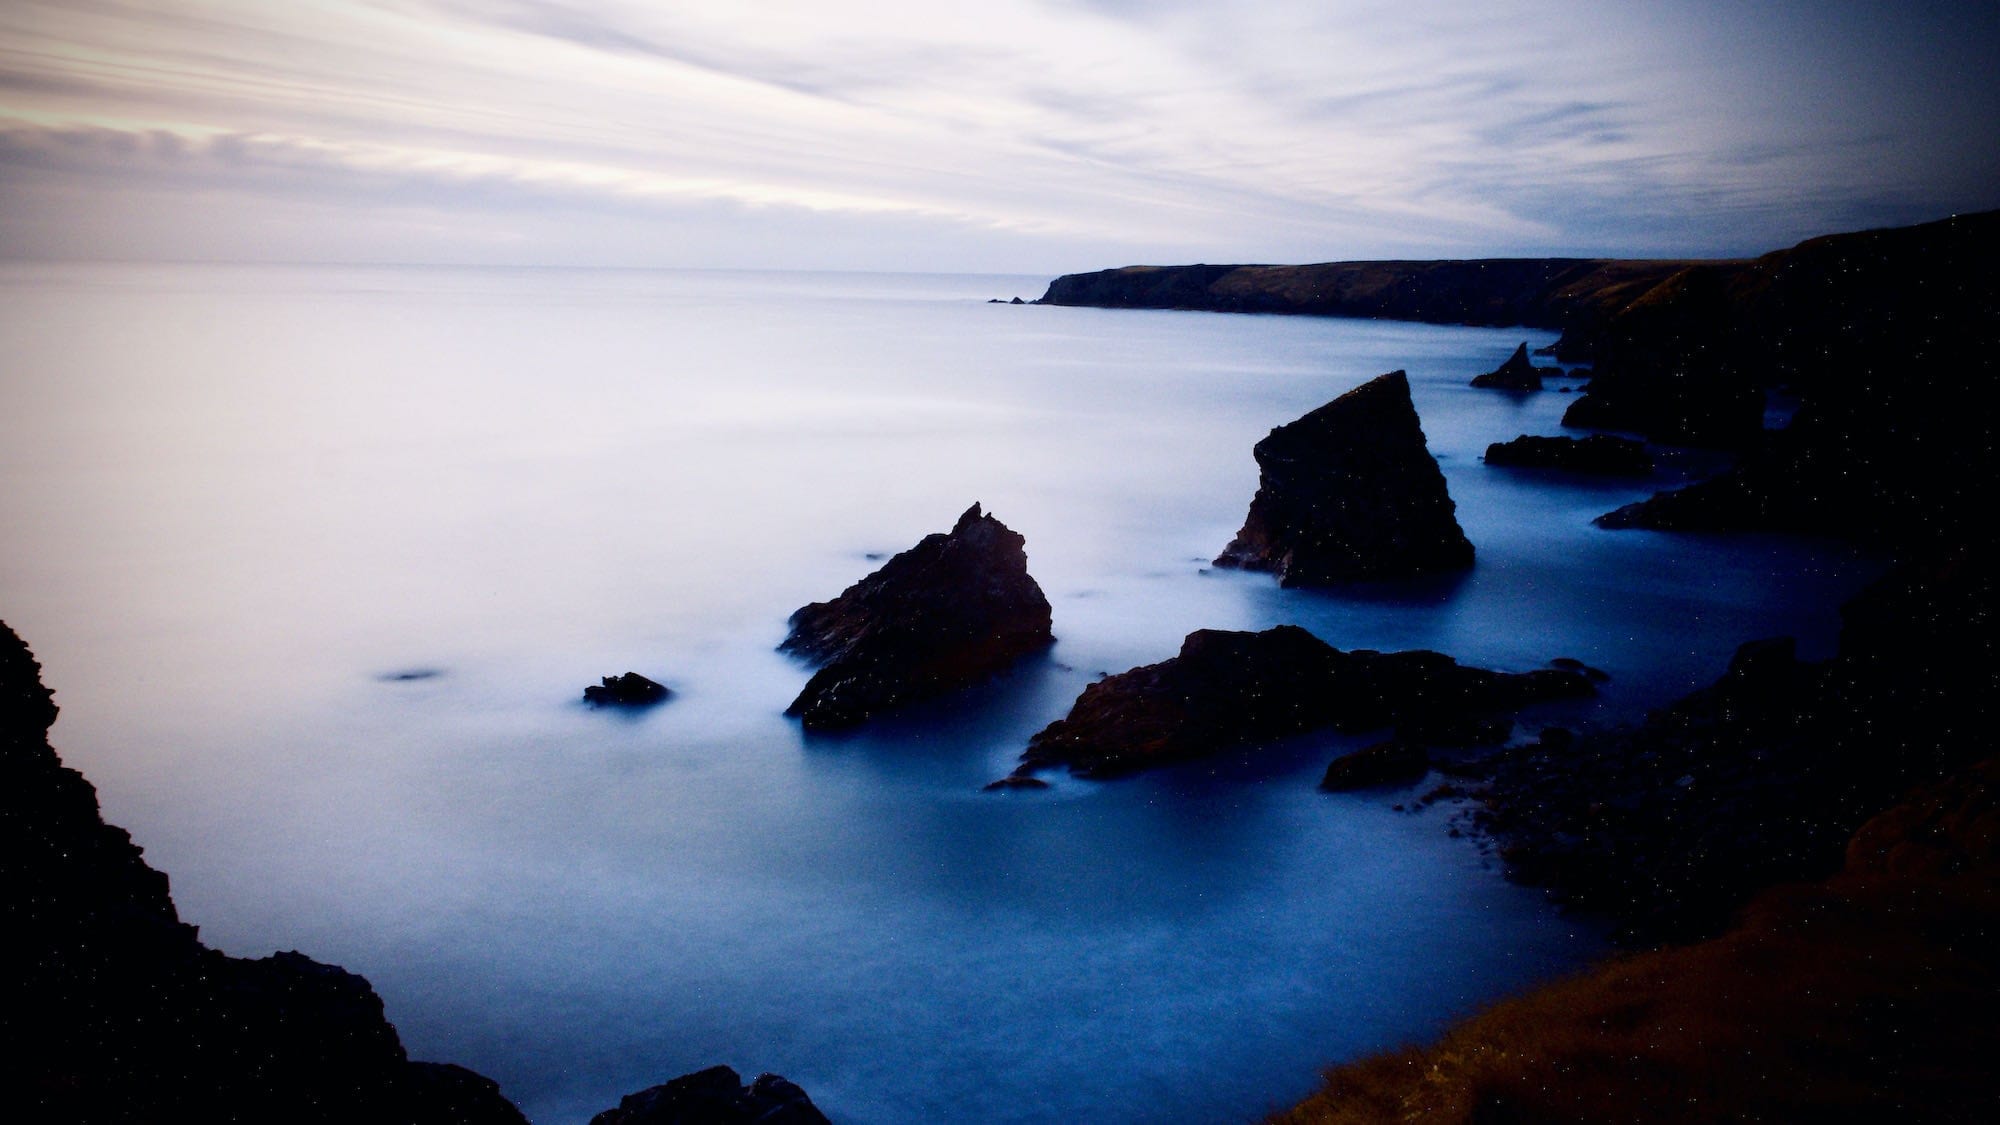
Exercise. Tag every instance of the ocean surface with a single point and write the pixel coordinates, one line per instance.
(318, 561)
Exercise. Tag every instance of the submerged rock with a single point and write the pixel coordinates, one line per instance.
(951, 611)
(1598, 453)
(1229, 689)
(628, 690)
(1349, 492)
(1517, 374)
(716, 1096)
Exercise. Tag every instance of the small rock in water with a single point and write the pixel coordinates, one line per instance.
(628, 690)
(410, 675)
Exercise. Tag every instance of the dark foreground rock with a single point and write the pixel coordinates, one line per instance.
(1672, 824)
(113, 1011)
(1598, 453)
(1229, 689)
(628, 690)
(955, 609)
(1519, 373)
(1394, 762)
(1349, 492)
(716, 1096)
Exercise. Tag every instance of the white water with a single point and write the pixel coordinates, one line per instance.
(237, 502)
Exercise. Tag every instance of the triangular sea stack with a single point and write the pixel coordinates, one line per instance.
(949, 612)
(1519, 373)
(1349, 492)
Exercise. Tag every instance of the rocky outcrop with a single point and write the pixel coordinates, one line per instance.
(1394, 762)
(115, 1011)
(1229, 689)
(1599, 453)
(1519, 373)
(628, 690)
(955, 609)
(1349, 492)
(716, 1096)
(1672, 824)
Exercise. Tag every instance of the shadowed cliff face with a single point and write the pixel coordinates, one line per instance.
(1349, 492)
(114, 1011)
(1890, 339)
(951, 611)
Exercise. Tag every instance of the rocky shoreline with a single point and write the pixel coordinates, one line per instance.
(1678, 826)
(115, 1012)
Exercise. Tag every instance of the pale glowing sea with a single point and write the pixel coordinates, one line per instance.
(237, 503)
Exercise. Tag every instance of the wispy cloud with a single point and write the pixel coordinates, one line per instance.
(1013, 134)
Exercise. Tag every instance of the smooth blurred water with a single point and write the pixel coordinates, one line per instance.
(239, 502)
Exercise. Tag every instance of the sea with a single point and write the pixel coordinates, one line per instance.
(319, 559)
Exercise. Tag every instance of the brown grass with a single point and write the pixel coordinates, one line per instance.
(1871, 997)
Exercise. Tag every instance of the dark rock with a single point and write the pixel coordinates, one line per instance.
(716, 1096)
(1016, 781)
(1229, 689)
(1517, 374)
(1349, 492)
(1572, 664)
(117, 1013)
(1394, 762)
(1017, 301)
(1598, 453)
(628, 690)
(955, 609)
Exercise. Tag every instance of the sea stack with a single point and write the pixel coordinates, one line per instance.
(1349, 492)
(955, 609)
(1519, 373)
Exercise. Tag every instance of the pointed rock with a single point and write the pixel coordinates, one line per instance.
(949, 612)
(1517, 374)
(1349, 492)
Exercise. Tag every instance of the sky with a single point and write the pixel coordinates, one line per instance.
(1031, 136)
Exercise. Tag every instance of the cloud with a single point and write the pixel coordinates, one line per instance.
(1278, 131)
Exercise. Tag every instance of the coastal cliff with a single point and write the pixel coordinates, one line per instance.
(1567, 293)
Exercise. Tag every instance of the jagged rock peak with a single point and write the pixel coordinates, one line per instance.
(953, 610)
(1350, 492)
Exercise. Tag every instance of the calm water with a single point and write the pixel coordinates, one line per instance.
(239, 503)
